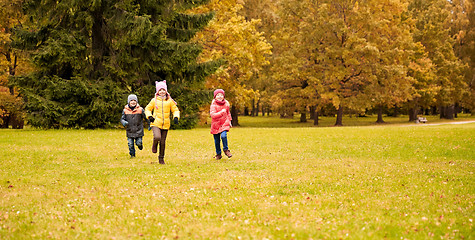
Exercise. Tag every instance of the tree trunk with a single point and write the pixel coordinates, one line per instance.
(98, 46)
(456, 110)
(450, 112)
(234, 116)
(16, 122)
(256, 110)
(246, 111)
(6, 121)
(312, 112)
(339, 116)
(433, 110)
(396, 112)
(253, 109)
(315, 117)
(447, 112)
(413, 114)
(303, 117)
(380, 115)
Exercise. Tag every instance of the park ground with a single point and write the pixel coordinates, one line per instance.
(286, 180)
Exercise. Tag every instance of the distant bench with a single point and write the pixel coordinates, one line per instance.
(421, 120)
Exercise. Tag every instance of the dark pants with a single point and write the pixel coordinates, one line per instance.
(159, 136)
(217, 138)
(138, 142)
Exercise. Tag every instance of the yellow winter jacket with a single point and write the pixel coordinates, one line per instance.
(160, 109)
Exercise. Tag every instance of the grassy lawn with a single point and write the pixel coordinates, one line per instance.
(390, 181)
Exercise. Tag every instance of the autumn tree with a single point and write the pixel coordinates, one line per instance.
(421, 69)
(390, 32)
(292, 64)
(266, 12)
(343, 52)
(91, 54)
(463, 30)
(232, 38)
(12, 62)
(433, 31)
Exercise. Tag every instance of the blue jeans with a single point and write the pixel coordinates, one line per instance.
(138, 142)
(224, 137)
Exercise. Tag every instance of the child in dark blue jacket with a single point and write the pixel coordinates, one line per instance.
(132, 119)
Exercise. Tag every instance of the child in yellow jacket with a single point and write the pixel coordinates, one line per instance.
(158, 112)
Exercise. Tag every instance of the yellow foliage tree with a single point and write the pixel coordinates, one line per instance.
(436, 29)
(232, 38)
(463, 29)
(12, 63)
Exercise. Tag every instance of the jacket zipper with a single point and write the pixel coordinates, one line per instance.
(163, 116)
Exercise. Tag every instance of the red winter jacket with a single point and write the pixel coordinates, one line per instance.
(220, 117)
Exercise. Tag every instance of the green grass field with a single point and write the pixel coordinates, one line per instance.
(368, 182)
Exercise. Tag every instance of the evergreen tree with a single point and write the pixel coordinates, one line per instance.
(91, 54)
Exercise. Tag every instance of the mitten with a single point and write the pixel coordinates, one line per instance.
(152, 119)
(175, 120)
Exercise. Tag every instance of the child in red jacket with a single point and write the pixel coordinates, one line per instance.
(220, 122)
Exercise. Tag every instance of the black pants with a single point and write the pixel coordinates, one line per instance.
(159, 136)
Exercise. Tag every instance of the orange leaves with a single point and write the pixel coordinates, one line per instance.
(231, 37)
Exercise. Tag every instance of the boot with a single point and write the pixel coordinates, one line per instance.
(160, 160)
(154, 147)
(218, 156)
(228, 153)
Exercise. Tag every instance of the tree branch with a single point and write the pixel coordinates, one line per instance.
(345, 80)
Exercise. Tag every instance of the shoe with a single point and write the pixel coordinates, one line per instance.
(228, 153)
(154, 148)
(140, 147)
(161, 161)
(218, 156)
(132, 156)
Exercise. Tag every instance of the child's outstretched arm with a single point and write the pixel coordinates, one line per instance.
(229, 113)
(123, 121)
(175, 110)
(148, 121)
(149, 112)
(229, 119)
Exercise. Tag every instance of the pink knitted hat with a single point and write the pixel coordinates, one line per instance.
(160, 85)
(218, 91)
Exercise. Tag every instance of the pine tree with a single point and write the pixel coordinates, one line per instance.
(91, 54)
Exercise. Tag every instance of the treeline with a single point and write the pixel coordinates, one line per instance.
(71, 63)
(373, 56)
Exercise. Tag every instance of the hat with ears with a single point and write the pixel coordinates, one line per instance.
(218, 91)
(132, 97)
(160, 85)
